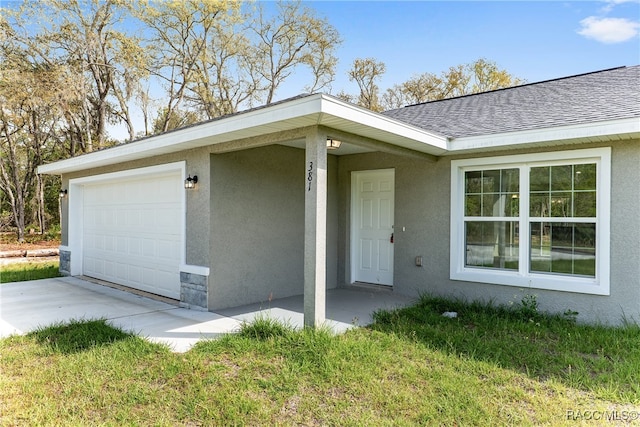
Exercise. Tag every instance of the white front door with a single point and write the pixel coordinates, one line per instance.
(372, 226)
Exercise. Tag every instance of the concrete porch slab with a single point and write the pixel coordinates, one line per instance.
(25, 306)
(345, 308)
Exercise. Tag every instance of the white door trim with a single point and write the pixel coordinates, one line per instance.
(75, 223)
(354, 220)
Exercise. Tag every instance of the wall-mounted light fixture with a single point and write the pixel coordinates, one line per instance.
(63, 194)
(333, 144)
(190, 183)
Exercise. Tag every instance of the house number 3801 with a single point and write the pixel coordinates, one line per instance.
(310, 175)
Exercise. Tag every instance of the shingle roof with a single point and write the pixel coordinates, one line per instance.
(586, 98)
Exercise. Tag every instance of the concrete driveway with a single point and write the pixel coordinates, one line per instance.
(25, 306)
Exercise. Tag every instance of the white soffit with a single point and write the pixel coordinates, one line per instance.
(311, 110)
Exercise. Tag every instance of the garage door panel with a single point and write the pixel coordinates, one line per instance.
(135, 276)
(149, 248)
(148, 276)
(98, 242)
(110, 243)
(165, 217)
(121, 271)
(134, 246)
(166, 249)
(132, 232)
(110, 269)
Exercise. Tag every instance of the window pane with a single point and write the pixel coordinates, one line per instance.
(540, 247)
(540, 236)
(500, 205)
(510, 181)
(563, 248)
(512, 206)
(585, 177)
(492, 193)
(491, 181)
(473, 182)
(584, 204)
(561, 236)
(585, 236)
(491, 205)
(561, 177)
(561, 219)
(539, 205)
(561, 205)
(539, 179)
(491, 244)
(472, 205)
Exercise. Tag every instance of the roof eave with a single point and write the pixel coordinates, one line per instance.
(351, 118)
(320, 109)
(603, 131)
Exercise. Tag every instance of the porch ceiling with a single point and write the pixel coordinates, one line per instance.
(345, 148)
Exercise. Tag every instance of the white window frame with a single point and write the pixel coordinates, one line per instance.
(598, 285)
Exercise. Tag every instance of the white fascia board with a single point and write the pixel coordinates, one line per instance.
(192, 137)
(251, 123)
(435, 144)
(623, 127)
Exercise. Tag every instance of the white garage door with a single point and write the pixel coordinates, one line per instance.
(132, 232)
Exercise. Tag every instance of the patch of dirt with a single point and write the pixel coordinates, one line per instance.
(34, 242)
(28, 260)
(44, 244)
(9, 242)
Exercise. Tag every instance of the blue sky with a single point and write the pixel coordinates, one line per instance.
(533, 40)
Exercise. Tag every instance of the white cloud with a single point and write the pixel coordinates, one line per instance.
(612, 3)
(609, 30)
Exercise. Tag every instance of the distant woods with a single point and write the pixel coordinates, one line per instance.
(465, 79)
(70, 70)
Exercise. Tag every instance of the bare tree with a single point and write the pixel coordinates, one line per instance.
(30, 115)
(293, 38)
(218, 57)
(479, 76)
(417, 89)
(366, 73)
(225, 76)
(106, 62)
(180, 34)
(71, 68)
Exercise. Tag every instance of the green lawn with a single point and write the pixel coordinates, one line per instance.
(488, 366)
(20, 272)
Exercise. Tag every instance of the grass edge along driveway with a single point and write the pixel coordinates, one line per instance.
(33, 270)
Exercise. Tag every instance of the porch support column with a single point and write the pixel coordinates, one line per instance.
(315, 228)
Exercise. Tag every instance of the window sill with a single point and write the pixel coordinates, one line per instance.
(583, 285)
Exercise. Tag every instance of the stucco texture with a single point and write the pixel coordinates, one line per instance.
(257, 225)
(245, 222)
(422, 210)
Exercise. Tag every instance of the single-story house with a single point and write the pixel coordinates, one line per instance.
(531, 190)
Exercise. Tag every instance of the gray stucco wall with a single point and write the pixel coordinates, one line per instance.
(422, 207)
(245, 221)
(257, 225)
